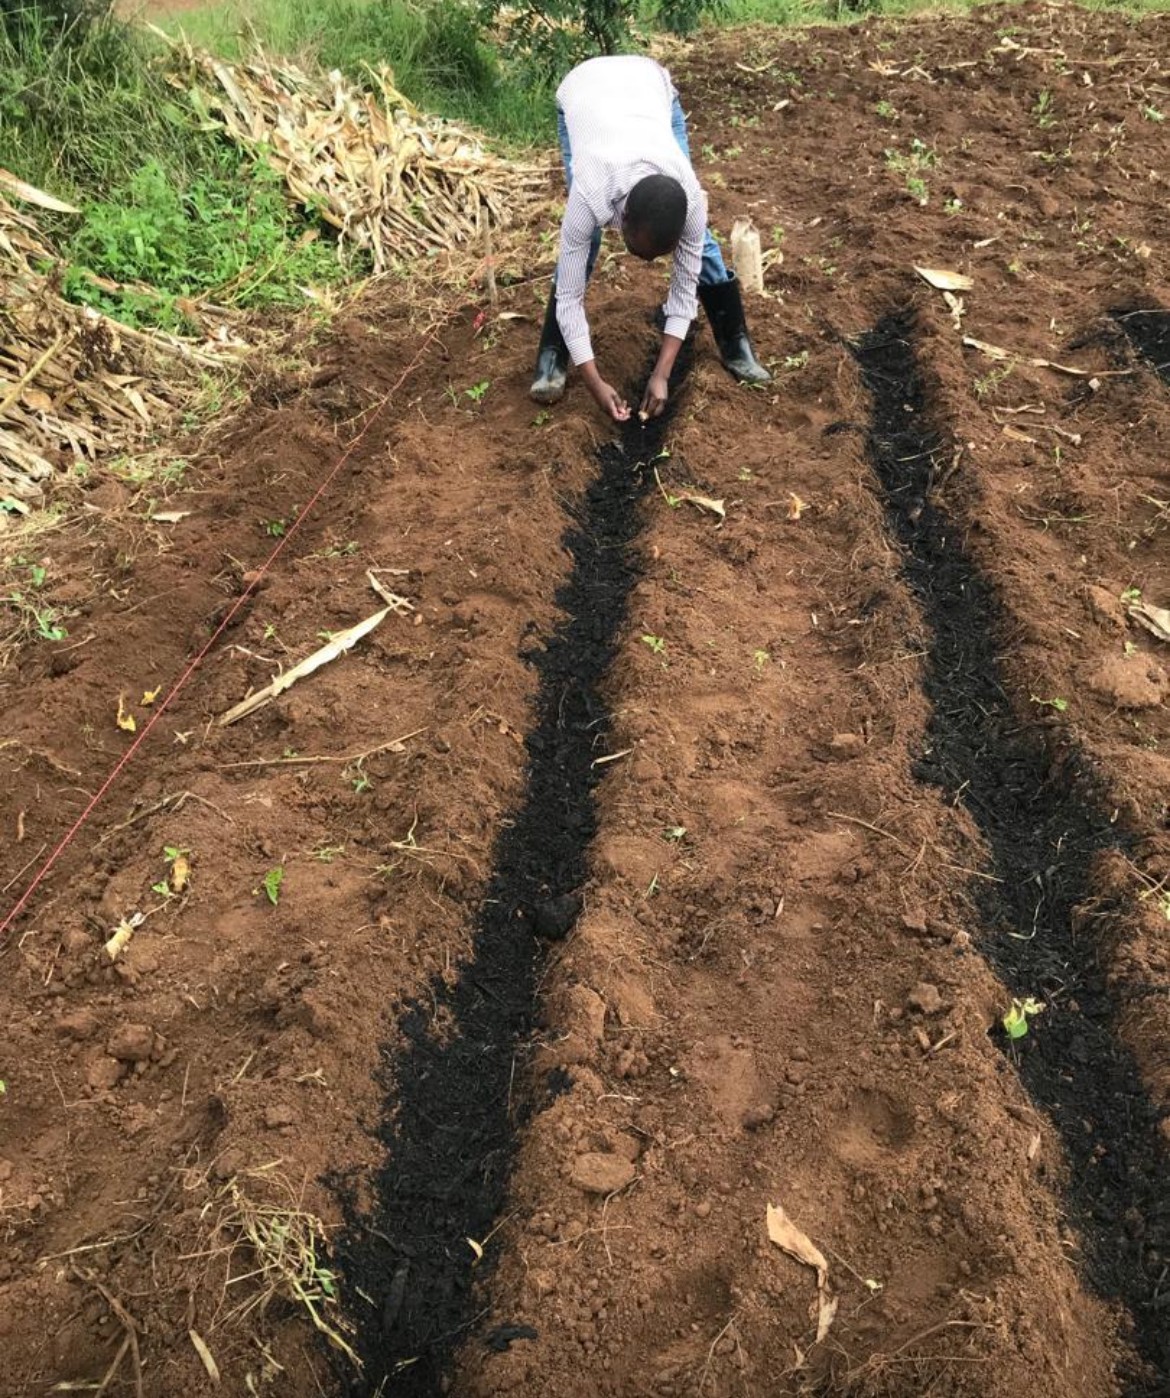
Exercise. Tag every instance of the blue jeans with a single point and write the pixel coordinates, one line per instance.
(713, 269)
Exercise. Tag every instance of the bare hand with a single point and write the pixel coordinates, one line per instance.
(654, 399)
(611, 401)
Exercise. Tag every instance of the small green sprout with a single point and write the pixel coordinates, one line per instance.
(761, 657)
(477, 391)
(656, 643)
(1016, 1019)
(674, 832)
(272, 882)
(1131, 596)
(1060, 705)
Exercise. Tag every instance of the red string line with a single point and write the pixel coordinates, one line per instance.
(282, 543)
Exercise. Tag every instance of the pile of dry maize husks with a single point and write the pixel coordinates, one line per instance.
(74, 384)
(393, 181)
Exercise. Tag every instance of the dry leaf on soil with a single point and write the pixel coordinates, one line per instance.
(704, 502)
(790, 1239)
(997, 353)
(796, 506)
(942, 280)
(126, 720)
(205, 1355)
(1156, 620)
(338, 645)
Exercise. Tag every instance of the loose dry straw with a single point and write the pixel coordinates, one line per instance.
(391, 180)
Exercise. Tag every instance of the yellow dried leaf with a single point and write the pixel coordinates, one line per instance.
(149, 696)
(180, 873)
(126, 721)
(206, 1356)
(476, 1248)
(704, 502)
(796, 506)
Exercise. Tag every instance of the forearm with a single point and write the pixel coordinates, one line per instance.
(671, 344)
(591, 375)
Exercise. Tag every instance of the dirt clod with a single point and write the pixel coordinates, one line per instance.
(1130, 682)
(596, 1173)
(131, 1043)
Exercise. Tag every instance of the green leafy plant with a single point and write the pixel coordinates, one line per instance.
(1042, 111)
(275, 528)
(1131, 595)
(1060, 705)
(272, 882)
(674, 832)
(656, 643)
(1152, 113)
(477, 391)
(796, 361)
(1015, 1021)
(761, 657)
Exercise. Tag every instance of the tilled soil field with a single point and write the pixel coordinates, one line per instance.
(656, 866)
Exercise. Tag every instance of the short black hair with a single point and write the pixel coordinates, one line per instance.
(656, 209)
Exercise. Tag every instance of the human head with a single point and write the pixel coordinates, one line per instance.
(656, 210)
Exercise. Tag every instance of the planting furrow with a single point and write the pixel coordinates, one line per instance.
(1045, 821)
(454, 1100)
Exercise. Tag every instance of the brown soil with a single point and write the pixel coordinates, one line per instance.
(787, 981)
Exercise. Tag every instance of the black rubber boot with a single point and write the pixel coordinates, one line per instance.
(724, 306)
(552, 359)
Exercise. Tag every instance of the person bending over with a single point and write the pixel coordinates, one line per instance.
(628, 166)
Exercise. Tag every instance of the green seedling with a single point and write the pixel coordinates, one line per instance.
(656, 643)
(1060, 705)
(477, 391)
(761, 657)
(275, 528)
(1153, 114)
(674, 832)
(886, 110)
(541, 418)
(1131, 595)
(45, 621)
(1016, 1019)
(796, 361)
(272, 882)
(745, 473)
(953, 207)
(328, 853)
(1042, 111)
(917, 187)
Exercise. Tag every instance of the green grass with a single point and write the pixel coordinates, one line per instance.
(88, 115)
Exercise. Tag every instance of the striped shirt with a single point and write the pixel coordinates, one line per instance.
(617, 111)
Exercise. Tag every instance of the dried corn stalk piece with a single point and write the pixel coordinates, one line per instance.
(75, 384)
(393, 181)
